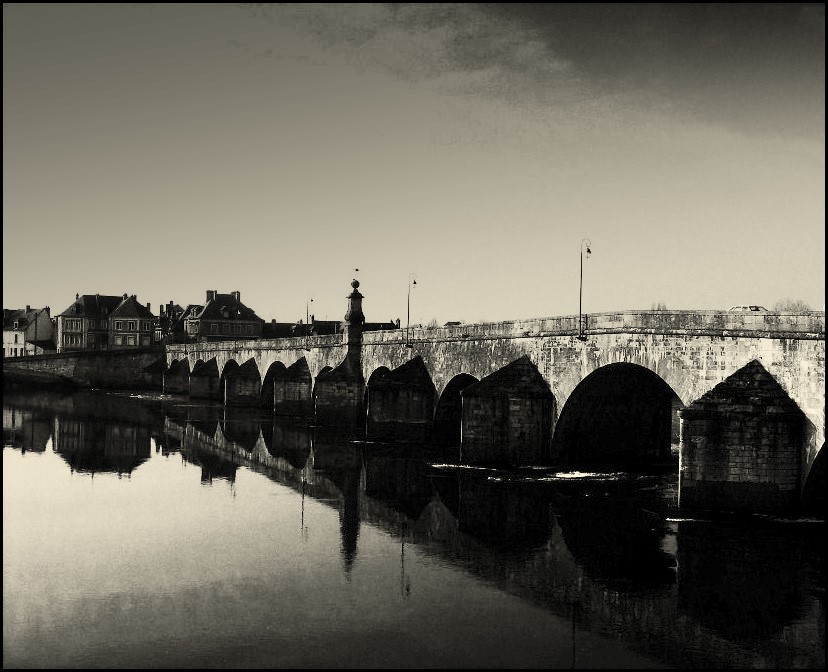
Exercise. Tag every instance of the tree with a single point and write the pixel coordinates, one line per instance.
(791, 306)
(659, 306)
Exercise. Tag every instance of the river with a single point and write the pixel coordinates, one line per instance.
(157, 532)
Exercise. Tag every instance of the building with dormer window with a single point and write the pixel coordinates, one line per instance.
(99, 322)
(131, 325)
(85, 324)
(222, 317)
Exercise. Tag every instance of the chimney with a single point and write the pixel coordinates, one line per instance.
(77, 296)
(211, 294)
(161, 310)
(236, 295)
(125, 297)
(28, 307)
(148, 307)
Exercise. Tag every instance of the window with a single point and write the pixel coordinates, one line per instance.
(130, 340)
(248, 329)
(119, 325)
(15, 352)
(225, 328)
(119, 340)
(15, 336)
(214, 328)
(131, 325)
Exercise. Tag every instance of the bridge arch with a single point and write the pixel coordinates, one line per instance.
(324, 371)
(813, 491)
(448, 415)
(620, 414)
(275, 370)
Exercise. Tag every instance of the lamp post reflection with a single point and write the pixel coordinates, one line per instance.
(405, 582)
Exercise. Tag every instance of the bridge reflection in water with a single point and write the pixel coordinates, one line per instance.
(603, 551)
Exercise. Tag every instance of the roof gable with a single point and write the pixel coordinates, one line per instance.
(130, 307)
(92, 305)
(226, 307)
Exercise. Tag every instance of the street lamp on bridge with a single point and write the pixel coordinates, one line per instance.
(412, 282)
(585, 247)
(307, 324)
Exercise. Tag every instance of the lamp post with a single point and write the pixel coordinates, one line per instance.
(307, 324)
(412, 282)
(585, 243)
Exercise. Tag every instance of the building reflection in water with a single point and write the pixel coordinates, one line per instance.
(600, 554)
(92, 446)
(26, 430)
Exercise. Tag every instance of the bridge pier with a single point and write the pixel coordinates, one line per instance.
(293, 390)
(400, 404)
(205, 382)
(741, 446)
(242, 386)
(508, 417)
(339, 393)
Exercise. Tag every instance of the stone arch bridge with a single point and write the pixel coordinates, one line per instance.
(743, 393)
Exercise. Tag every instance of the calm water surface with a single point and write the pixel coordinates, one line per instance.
(158, 533)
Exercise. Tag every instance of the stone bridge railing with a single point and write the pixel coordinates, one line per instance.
(710, 322)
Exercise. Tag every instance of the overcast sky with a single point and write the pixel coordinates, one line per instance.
(164, 150)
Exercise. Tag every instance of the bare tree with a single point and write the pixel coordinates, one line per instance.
(791, 306)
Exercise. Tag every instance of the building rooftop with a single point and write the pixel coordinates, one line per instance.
(92, 305)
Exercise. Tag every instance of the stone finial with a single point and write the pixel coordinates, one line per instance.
(354, 315)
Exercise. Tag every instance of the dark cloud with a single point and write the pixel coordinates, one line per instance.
(751, 66)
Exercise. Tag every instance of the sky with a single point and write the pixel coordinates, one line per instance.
(164, 150)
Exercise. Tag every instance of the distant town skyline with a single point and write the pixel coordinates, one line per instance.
(165, 150)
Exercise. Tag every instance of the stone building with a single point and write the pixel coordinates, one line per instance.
(222, 317)
(27, 331)
(131, 325)
(85, 324)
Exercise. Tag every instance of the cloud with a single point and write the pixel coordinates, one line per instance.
(455, 47)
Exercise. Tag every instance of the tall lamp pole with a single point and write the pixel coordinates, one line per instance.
(585, 245)
(412, 281)
(307, 324)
